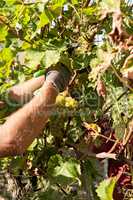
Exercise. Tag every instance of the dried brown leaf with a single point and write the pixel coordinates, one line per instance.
(101, 89)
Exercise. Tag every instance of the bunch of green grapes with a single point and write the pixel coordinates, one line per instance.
(65, 101)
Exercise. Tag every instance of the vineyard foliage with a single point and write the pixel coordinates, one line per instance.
(93, 38)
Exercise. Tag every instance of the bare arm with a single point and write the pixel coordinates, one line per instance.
(27, 123)
(23, 126)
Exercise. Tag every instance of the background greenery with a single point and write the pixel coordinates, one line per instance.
(37, 34)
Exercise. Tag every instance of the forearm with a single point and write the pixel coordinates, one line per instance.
(27, 123)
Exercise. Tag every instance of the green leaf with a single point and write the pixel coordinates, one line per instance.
(106, 188)
(51, 57)
(10, 2)
(46, 17)
(6, 58)
(2, 3)
(74, 2)
(17, 164)
(44, 20)
(3, 33)
(33, 145)
(26, 17)
(119, 127)
(58, 3)
(6, 54)
(90, 11)
(68, 168)
(30, 58)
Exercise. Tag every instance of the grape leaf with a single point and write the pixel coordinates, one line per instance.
(106, 188)
(51, 57)
(43, 20)
(110, 4)
(74, 2)
(66, 167)
(3, 33)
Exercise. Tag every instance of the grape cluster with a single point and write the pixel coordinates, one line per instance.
(65, 101)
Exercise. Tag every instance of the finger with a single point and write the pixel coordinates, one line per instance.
(23, 92)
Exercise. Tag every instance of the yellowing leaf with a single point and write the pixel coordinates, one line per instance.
(43, 20)
(6, 54)
(3, 33)
(127, 69)
(26, 17)
(93, 127)
(106, 188)
(74, 2)
(10, 2)
(58, 3)
(6, 58)
(32, 146)
(90, 10)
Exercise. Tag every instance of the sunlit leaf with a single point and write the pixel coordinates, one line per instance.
(43, 20)
(74, 2)
(51, 57)
(26, 17)
(110, 4)
(10, 2)
(6, 58)
(90, 10)
(32, 146)
(3, 33)
(57, 3)
(106, 188)
(30, 58)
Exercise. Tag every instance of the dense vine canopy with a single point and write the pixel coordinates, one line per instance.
(94, 115)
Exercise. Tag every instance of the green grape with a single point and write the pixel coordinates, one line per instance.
(60, 100)
(70, 102)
